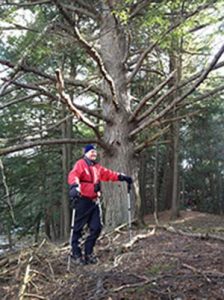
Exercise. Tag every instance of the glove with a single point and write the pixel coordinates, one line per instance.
(122, 177)
(97, 187)
(74, 191)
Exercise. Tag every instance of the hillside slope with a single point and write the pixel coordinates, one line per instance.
(159, 265)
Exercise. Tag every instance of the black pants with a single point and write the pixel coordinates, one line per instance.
(86, 212)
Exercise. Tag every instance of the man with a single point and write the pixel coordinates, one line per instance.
(84, 181)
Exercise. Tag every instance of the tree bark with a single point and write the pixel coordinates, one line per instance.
(65, 202)
(121, 157)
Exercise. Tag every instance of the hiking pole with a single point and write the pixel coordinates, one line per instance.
(70, 241)
(129, 212)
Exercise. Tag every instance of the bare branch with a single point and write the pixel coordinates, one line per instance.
(136, 8)
(87, 5)
(203, 96)
(156, 104)
(188, 115)
(151, 140)
(84, 84)
(32, 87)
(150, 95)
(16, 148)
(19, 100)
(82, 11)
(198, 74)
(17, 27)
(65, 98)
(91, 51)
(176, 101)
(38, 2)
(93, 113)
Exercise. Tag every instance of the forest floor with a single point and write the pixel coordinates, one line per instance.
(181, 260)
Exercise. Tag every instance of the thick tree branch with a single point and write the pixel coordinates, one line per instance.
(148, 96)
(67, 100)
(36, 71)
(151, 140)
(91, 51)
(16, 148)
(156, 104)
(198, 74)
(82, 11)
(92, 113)
(19, 100)
(176, 101)
(17, 27)
(188, 115)
(32, 3)
(203, 96)
(136, 8)
(32, 87)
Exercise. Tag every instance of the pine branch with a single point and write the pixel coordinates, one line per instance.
(163, 35)
(16, 67)
(91, 51)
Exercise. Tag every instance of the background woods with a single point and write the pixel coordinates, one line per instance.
(141, 79)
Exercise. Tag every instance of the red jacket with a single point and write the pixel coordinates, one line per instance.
(87, 175)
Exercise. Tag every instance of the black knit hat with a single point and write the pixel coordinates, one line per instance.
(88, 148)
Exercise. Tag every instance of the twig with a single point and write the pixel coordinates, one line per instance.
(65, 98)
(129, 286)
(138, 237)
(197, 271)
(203, 236)
(26, 279)
(34, 296)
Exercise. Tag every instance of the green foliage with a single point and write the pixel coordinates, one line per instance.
(203, 157)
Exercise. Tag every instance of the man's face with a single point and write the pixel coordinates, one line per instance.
(92, 154)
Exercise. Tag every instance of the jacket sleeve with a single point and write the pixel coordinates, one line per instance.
(75, 174)
(107, 175)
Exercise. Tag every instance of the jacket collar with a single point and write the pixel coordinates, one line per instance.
(89, 162)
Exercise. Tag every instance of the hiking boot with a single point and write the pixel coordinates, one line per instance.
(77, 260)
(91, 259)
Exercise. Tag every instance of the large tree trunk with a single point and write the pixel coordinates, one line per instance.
(175, 64)
(65, 224)
(116, 134)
